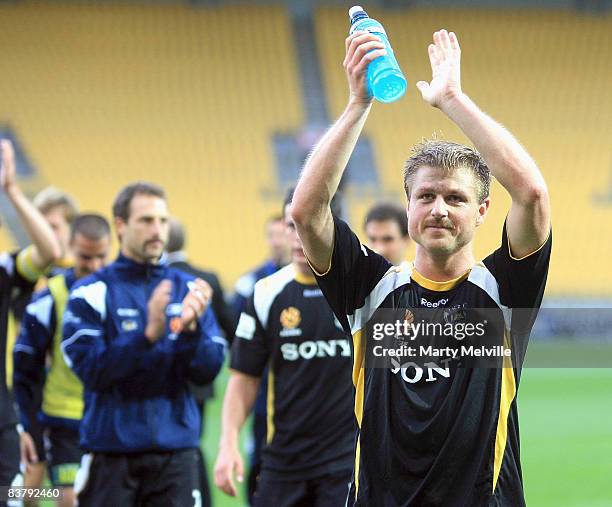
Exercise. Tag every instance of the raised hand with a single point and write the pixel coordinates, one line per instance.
(156, 311)
(361, 49)
(445, 59)
(8, 178)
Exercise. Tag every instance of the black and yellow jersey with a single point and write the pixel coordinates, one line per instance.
(289, 325)
(436, 435)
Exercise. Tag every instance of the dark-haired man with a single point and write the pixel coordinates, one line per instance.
(386, 227)
(289, 327)
(432, 434)
(50, 400)
(135, 333)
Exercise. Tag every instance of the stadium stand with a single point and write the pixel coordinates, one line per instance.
(104, 94)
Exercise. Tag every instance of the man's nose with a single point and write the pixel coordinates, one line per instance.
(157, 227)
(91, 266)
(439, 208)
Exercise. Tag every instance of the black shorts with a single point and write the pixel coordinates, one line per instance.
(151, 479)
(325, 491)
(63, 455)
(9, 458)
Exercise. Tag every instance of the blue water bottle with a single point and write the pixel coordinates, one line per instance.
(385, 79)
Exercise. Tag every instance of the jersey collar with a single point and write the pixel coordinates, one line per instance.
(304, 279)
(438, 286)
(135, 269)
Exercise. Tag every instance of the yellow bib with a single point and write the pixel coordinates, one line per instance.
(63, 391)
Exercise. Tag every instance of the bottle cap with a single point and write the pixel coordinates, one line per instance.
(354, 10)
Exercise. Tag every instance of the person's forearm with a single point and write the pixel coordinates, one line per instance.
(28, 395)
(325, 165)
(508, 161)
(238, 402)
(99, 365)
(37, 228)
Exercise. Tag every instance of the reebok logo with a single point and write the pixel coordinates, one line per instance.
(429, 304)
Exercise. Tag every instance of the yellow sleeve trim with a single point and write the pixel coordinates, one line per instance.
(26, 267)
(529, 254)
(270, 406)
(65, 263)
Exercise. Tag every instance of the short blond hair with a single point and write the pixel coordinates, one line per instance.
(449, 157)
(51, 197)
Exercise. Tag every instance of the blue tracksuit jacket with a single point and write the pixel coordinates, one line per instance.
(136, 394)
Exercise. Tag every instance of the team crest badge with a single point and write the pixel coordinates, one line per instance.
(408, 317)
(407, 326)
(290, 318)
(176, 325)
(129, 325)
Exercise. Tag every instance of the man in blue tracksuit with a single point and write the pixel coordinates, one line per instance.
(135, 333)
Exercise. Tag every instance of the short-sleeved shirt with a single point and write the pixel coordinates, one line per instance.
(289, 326)
(444, 436)
(17, 275)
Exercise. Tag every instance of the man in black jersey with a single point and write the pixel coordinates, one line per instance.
(18, 273)
(430, 434)
(288, 325)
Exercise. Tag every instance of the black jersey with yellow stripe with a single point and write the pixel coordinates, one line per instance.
(436, 434)
(289, 325)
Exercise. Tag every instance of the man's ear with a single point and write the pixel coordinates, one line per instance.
(483, 209)
(119, 226)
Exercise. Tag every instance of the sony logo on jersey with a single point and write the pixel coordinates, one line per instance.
(429, 304)
(319, 348)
